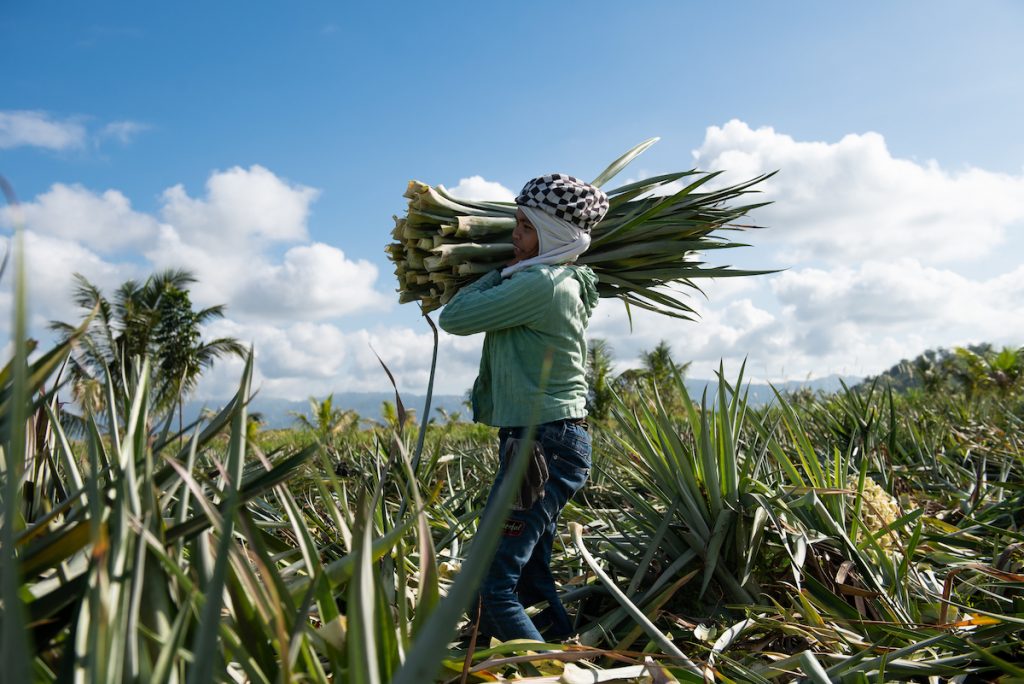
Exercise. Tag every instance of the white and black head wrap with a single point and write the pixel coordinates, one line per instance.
(567, 198)
(563, 210)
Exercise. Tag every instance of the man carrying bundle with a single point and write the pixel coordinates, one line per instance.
(534, 312)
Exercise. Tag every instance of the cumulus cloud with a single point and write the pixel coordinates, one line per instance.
(723, 330)
(852, 199)
(298, 360)
(877, 251)
(105, 222)
(477, 188)
(312, 281)
(38, 129)
(907, 296)
(229, 238)
(874, 294)
(240, 205)
(55, 261)
(811, 321)
(225, 238)
(51, 263)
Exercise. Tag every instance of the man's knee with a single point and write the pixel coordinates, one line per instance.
(497, 588)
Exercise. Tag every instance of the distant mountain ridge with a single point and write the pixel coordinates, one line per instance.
(277, 413)
(759, 394)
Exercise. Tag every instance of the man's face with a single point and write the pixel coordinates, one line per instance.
(524, 238)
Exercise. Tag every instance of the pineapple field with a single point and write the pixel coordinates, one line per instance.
(452, 343)
(870, 535)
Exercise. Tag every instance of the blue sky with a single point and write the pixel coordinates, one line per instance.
(266, 145)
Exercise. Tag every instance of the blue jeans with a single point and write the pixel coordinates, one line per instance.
(520, 574)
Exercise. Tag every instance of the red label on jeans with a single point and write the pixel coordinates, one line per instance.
(513, 528)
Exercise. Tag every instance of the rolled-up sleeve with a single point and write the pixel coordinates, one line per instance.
(494, 304)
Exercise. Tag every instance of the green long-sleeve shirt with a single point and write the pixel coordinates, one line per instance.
(539, 312)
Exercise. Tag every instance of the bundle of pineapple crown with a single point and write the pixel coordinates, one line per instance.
(647, 251)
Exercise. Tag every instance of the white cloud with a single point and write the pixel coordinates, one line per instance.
(51, 263)
(857, 320)
(477, 188)
(906, 296)
(874, 294)
(313, 281)
(26, 128)
(229, 239)
(298, 360)
(37, 129)
(852, 200)
(240, 205)
(105, 222)
(877, 252)
(123, 131)
(224, 238)
(722, 331)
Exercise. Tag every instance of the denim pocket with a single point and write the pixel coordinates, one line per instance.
(565, 478)
(574, 447)
(569, 460)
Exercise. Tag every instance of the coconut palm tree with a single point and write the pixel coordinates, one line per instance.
(658, 363)
(154, 318)
(389, 417)
(325, 420)
(600, 395)
(656, 374)
(987, 368)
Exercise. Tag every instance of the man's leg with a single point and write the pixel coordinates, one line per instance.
(537, 584)
(567, 452)
(502, 614)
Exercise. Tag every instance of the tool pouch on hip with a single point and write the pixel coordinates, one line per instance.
(531, 489)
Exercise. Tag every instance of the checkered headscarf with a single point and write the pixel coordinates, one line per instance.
(567, 198)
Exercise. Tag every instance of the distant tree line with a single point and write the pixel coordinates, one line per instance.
(970, 371)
